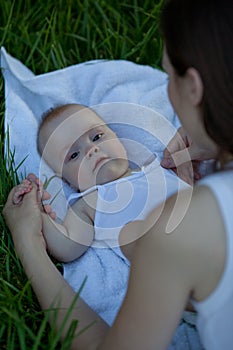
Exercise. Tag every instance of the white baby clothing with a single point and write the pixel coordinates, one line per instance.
(215, 314)
(119, 202)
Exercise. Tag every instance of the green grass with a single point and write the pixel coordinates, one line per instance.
(46, 36)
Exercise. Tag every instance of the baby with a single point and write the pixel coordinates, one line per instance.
(80, 148)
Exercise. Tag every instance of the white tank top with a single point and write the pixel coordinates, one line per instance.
(215, 314)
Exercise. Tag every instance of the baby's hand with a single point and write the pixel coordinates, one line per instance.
(24, 187)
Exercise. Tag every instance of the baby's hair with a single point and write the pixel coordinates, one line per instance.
(51, 114)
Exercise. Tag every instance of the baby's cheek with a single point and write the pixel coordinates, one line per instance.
(84, 181)
(85, 178)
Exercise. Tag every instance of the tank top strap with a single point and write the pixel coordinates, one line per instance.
(73, 197)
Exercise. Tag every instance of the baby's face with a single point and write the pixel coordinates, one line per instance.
(84, 151)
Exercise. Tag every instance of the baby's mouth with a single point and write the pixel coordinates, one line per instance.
(100, 162)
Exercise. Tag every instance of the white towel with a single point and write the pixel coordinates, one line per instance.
(122, 92)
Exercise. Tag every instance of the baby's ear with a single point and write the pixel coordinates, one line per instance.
(195, 86)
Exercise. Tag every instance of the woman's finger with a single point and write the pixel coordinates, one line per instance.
(48, 210)
(45, 195)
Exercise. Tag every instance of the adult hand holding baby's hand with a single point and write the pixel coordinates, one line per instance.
(24, 221)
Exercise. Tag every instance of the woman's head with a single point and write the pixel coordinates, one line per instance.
(199, 34)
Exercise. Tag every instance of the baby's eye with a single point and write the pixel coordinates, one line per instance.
(97, 137)
(74, 155)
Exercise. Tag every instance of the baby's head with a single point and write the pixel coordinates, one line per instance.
(78, 145)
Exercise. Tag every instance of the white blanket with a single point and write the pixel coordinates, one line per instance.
(131, 95)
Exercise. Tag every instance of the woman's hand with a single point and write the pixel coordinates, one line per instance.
(24, 220)
(184, 156)
(26, 186)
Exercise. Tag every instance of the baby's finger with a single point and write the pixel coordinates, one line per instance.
(32, 177)
(20, 191)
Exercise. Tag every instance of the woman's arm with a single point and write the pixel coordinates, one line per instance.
(149, 299)
(25, 223)
(166, 269)
(56, 295)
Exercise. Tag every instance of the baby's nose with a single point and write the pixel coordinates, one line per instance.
(91, 150)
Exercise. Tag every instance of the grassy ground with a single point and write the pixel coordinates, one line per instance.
(45, 36)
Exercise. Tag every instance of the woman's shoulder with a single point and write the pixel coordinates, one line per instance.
(190, 232)
(206, 205)
(215, 193)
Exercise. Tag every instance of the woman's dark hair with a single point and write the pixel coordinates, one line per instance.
(199, 34)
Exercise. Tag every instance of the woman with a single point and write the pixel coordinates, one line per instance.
(195, 260)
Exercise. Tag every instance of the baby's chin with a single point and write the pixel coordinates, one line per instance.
(108, 172)
(111, 171)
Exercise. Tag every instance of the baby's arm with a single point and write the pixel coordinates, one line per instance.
(68, 241)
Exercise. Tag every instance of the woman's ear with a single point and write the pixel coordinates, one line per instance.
(195, 86)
